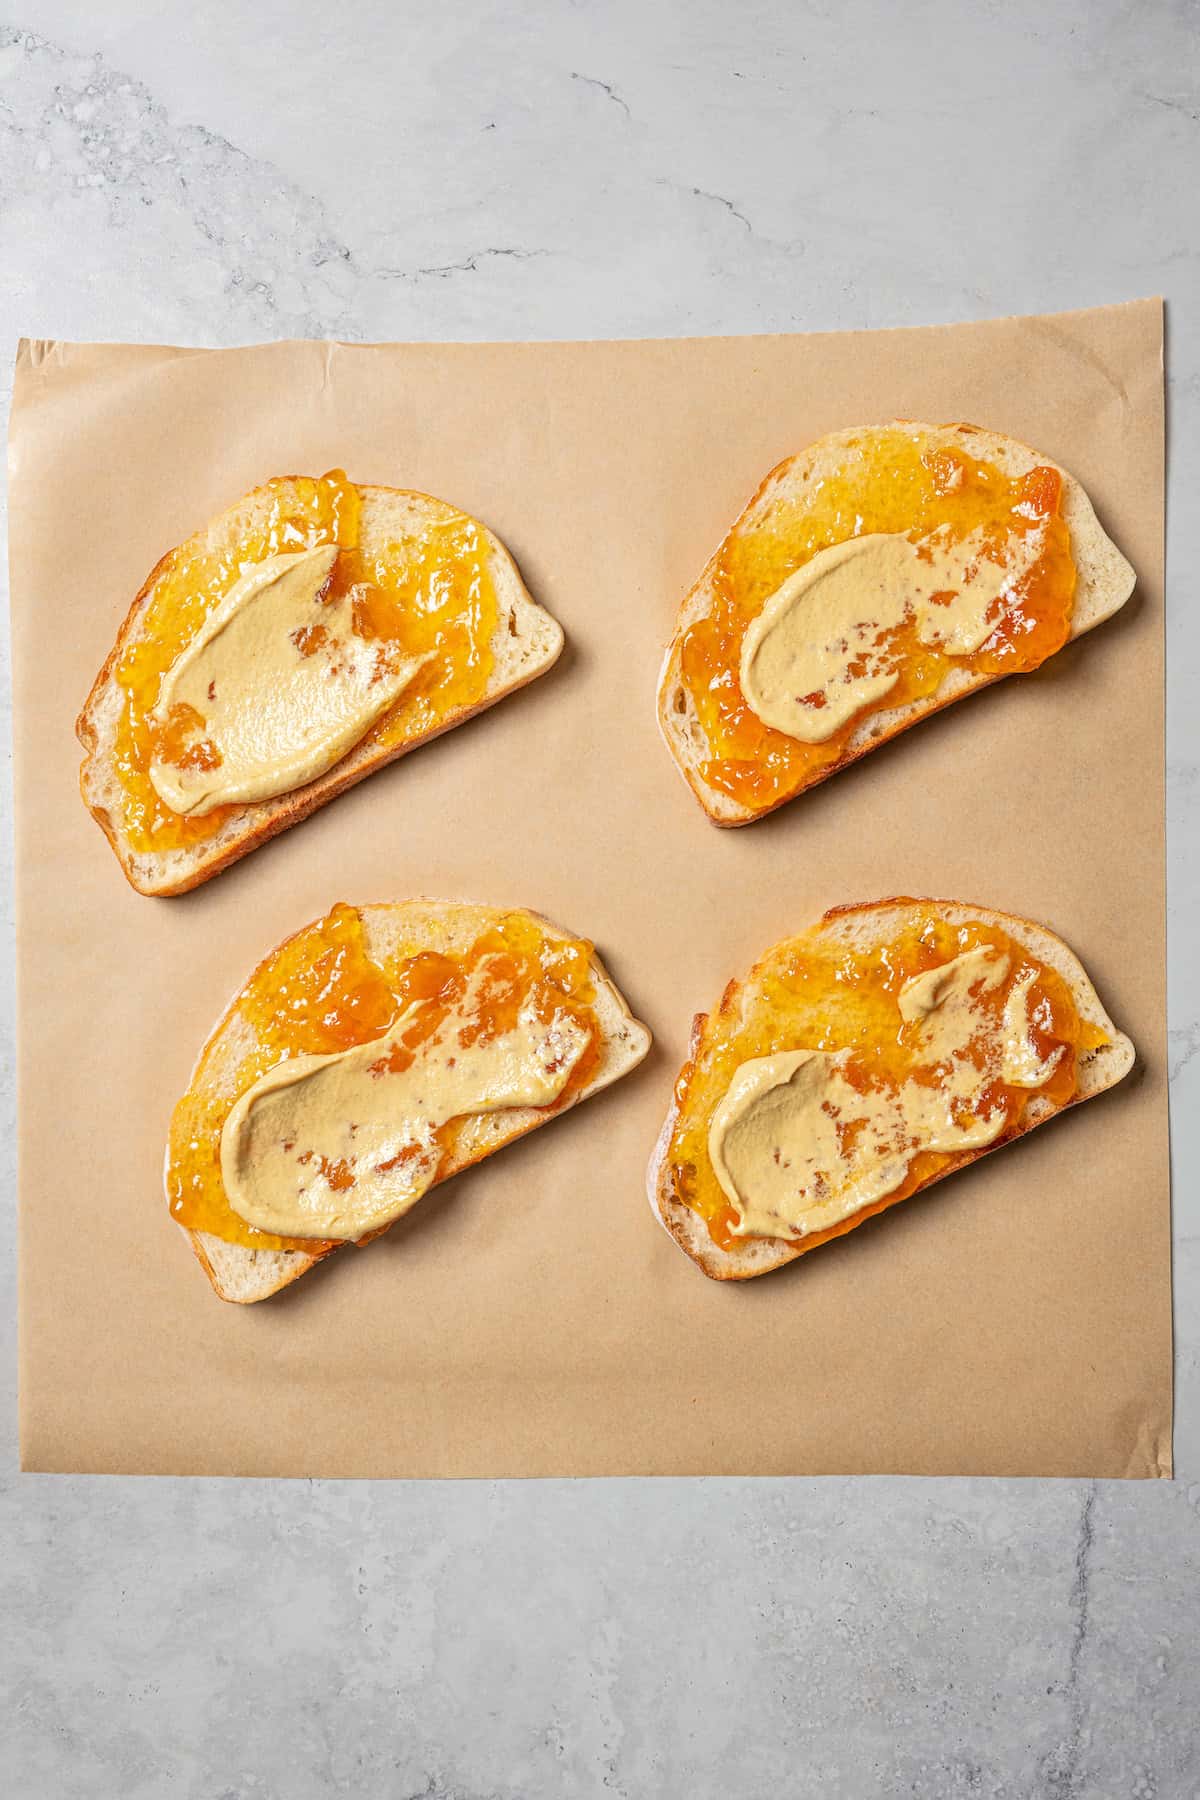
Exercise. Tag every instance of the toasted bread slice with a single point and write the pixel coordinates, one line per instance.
(864, 928)
(525, 643)
(1104, 582)
(243, 1275)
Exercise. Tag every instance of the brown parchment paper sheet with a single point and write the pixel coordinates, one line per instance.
(531, 1318)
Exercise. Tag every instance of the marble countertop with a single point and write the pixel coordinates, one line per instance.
(215, 174)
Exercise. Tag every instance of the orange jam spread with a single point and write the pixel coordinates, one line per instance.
(433, 593)
(890, 480)
(828, 997)
(320, 992)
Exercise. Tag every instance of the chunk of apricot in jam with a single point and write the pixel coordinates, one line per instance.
(309, 638)
(179, 740)
(830, 998)
(894, 480)
(430, 595)
(321, 992)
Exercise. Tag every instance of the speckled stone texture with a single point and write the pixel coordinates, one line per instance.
(220, 173)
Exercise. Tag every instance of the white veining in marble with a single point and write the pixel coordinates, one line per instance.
(217, 173)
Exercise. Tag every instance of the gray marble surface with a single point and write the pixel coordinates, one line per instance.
(221, 173)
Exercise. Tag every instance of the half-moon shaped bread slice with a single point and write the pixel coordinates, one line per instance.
(403, 929)
(867, 929)
(1104, 581)
(524, 642)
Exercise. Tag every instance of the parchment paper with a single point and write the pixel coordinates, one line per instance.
(531, 1318)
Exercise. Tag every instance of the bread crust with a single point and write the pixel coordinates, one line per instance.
(1098, 1070)
(1104, 582)
(241, 1275)
(263, 820)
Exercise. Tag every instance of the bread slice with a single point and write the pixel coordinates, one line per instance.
(864, 928)
(451, 927)
(526, 642)
(1104, 582)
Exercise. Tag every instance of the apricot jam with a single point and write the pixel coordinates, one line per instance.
(321, 992)
(432, 594)
(828, 997)
(890, 480)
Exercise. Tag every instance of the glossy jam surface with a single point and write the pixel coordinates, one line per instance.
(831, 998)
(890, 480)
(433, 593)
(321, 992)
